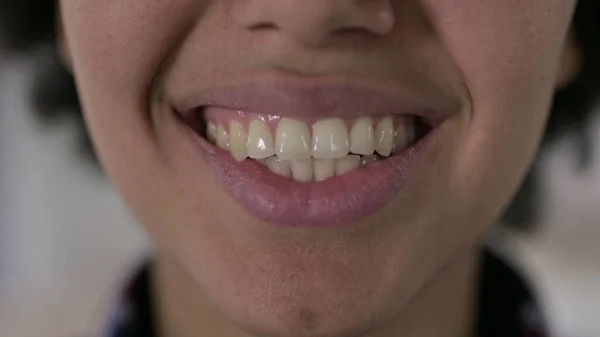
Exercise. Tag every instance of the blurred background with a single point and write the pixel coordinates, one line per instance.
(67, 241)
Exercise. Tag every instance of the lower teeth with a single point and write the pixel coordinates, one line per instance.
(308, 170)
(366, 160)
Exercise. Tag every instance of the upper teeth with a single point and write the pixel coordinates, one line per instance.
(328, 141)
(260, 143)
(385, 136)
(222, 137)
(292, 140)
(362, 137)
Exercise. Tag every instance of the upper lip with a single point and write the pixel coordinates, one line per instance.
(310, 98)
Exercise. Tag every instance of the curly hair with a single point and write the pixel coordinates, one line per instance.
(28, 24)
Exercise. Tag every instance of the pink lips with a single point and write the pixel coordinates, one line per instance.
(337, 201)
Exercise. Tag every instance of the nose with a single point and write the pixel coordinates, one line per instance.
(314, 21)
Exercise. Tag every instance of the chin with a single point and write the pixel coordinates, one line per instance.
(331, 294)
(297, 315)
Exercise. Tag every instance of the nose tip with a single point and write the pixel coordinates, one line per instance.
(313, 21)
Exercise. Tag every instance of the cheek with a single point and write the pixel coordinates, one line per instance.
(117, 49)
(506, 45)
(122, 42)
(508, 52)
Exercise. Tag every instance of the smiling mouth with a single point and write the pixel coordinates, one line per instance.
(331, 156)
(308, 150)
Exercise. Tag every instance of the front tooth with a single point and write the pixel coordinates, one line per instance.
(385, 136)
(292, 140)
(222, 138)
(302, 170)
(323, 168)
(330, 139)
(237, 140)
(211, 133)
(347, 164)
(362, 138)
(260, 140)
(279, 166)
(366, 160)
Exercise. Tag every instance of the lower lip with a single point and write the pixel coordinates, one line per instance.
(336, 202)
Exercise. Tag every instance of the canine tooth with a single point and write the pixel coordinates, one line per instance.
(279, 166)
(347, 164)
(362, 137)
(366, 160)
(292, 140)
(222, 138)
(302, 170)
(260, 140)
(385, 136)
(330, 139)
(211, 133)
(323, 168)
(237, 140)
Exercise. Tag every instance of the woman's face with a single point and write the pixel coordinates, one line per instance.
(450, 95)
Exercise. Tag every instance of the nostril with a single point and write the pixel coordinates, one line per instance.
(313, 21)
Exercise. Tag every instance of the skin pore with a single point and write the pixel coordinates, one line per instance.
(219, 268)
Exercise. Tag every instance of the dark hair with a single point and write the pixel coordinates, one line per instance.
(30, 24)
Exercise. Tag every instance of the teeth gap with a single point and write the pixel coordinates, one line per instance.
(198, 123)
(421, 129)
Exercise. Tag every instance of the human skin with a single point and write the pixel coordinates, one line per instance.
(494, 64)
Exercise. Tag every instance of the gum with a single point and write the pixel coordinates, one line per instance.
(222, 117)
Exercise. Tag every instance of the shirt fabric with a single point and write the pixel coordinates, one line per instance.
(506, 306)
